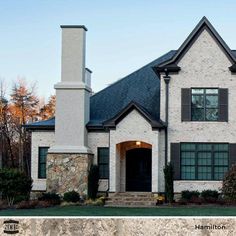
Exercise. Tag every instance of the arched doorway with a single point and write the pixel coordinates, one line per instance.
(139, 170)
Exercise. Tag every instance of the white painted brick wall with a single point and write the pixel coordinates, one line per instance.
(39, 139)
(95, 140)
(47, 139)
(133, 127)
(197, 185)
(204, 65)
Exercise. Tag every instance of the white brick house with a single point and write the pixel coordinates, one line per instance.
(180, 108)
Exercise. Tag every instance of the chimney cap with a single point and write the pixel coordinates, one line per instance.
(74, 26)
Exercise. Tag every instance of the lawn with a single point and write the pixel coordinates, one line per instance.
(113, 211)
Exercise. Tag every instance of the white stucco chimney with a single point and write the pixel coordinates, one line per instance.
(72, 94)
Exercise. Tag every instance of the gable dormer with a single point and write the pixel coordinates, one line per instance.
(204, 61)
(204, 38)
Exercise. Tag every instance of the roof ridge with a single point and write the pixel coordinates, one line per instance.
(119, 80)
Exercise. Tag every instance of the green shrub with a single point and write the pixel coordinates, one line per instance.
(188, 195)
(93, 179)
(21, 198)
(210, 195)
(52, 198)
(229, 184)
(13, 184)
(169, 188)
(71, 196)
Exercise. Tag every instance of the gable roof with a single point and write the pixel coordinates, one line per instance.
(204, 24)
(111, 123)
(141, 88)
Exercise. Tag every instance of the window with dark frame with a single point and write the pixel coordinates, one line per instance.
(205, 104)
(204, 161)
(103, 162)
(43, 151)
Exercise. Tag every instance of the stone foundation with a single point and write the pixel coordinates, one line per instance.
(67, 172)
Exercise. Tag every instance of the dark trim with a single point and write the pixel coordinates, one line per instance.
(111, 123)
(98, 157)
(35, 128)
(96, 128)
(39, 147)
(88, 70)
(203, 24)
(74, 26)
(172, 68)
(196, 165)
(233, 68)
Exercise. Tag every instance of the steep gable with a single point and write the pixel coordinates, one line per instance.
(203, 26)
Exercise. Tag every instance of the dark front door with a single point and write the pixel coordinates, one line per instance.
(138, 170)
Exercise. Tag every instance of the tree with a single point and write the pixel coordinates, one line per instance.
(229, 184)
(48, 110)
(24, 109)
(169, 180)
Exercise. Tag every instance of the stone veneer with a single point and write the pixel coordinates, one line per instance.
(123, 226)
(67, 172)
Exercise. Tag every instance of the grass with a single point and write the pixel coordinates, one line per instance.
(113, 211)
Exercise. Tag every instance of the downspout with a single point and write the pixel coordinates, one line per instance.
(166, 78)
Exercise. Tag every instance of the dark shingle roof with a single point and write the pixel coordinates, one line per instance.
(45, 124)
(141, 87)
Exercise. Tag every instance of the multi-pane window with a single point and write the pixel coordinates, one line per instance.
(204, 161)
(103, 162)
(205, 104)
(43, 151)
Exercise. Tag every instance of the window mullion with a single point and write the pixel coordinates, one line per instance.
(204, 104)
(212, 162)
(196, 162)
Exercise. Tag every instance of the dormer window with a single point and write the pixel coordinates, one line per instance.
(205, 104)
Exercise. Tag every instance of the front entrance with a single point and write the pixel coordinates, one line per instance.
(139, 170)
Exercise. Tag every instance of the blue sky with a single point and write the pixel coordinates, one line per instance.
(122, 35)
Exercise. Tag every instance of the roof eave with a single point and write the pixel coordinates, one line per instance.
(40, 128)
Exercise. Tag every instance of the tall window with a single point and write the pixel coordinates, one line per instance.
(103, 162)
(204, 161)
(43, 151)
(205, 104)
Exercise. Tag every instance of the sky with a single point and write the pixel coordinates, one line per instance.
(122, 35)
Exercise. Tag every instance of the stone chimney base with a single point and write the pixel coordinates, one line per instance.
(67, 172)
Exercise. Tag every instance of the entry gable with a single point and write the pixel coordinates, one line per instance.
(111, 123)
(203, 26)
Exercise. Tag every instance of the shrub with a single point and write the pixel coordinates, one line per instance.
(229, 184)
(71, 196)
(95, 202)
(20, 198)
(169, 188)
(52, 198)
(93, 179)
(188, 195)
(14, 183)
(44, 204)
(196, 200)
(27, 204)
(210, 195)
